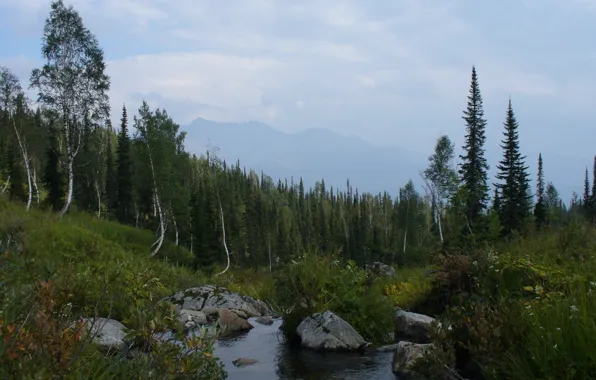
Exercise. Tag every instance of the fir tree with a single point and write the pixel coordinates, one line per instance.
(593, 195)
(540, 209)
(515, 204)
(474, 168)
(124, 178)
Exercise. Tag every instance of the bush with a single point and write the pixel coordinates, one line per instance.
(318, 283)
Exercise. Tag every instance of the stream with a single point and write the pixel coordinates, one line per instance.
(277, 361)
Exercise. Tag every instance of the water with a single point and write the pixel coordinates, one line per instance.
(276, 361)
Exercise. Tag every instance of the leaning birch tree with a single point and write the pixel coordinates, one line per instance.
(11, 98)
(72, 81)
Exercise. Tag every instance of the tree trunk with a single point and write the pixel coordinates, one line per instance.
(162, 227)
(5, 186)
(35, 186)
(223, 228)
(26, 161)
(98, 199)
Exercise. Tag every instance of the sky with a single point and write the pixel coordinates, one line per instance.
(391, 72)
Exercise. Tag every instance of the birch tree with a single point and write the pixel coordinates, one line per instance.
(13, 98)
(72, 81)
(161, 143)
(440, 178)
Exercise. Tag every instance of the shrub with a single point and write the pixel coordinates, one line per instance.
(318, 283)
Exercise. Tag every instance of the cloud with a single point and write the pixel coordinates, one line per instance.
(377, 70)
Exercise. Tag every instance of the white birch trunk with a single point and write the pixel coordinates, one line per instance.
(162, 226)
(98, 199)
(26, 161)
(35, 185)
(5, 186)
(175, 230)
(223, 228)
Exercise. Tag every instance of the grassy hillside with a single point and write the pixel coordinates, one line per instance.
(62, 269)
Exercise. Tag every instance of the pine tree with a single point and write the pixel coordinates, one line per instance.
(124, 178)
(53, 178)
(540, 209)
(474, 168)
(512, 170)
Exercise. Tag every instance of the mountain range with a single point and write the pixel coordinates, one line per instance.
(312, 154)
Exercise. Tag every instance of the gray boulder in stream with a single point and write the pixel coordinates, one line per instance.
(212, 297)
(328, 332)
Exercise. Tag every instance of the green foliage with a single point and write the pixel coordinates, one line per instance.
(57, 270)
(317, 283)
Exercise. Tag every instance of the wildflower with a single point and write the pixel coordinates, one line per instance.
(475, 263)
(572, 308)
(555, 346)
(558, 329)
(528, 306)
(449, 328)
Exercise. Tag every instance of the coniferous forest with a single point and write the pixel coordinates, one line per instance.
(63, 162)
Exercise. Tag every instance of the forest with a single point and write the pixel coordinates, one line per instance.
(62, 160)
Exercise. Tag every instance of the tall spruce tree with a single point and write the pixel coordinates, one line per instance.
(540, 209)
(111, 189)
(586, 195)
(474, 168)
(515, 204)
(593, 194)
(124, 178)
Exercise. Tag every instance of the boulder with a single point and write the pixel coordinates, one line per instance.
(209, 298)
(413, 327)
(405, 355)
(241, 362)
(192, 318)
(266, 320)
(328, 332)
(109, 334)
(379, 269)
(231, 322)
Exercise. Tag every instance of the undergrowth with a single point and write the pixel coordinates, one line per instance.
(57, 273)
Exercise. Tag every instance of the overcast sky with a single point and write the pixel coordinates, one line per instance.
(394, 72)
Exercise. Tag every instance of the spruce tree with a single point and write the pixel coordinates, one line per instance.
(124, 180)
(515, 203)
(111, 189)
(474, 168)
(53, 178)
(540, 209)
(586, 196)
(593, 194)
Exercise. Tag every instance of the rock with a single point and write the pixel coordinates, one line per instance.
(230, 322)
(267, 320)
(387, 348)
(240, 313)
(405, 355)
(413, 327)
(109, 334)
(209, 298)
(327, 331)
(241, 362)
(379, 269)
(192, 318)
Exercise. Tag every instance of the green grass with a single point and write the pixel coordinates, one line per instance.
(79, 266)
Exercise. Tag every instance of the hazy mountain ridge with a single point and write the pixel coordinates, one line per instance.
(312, 154)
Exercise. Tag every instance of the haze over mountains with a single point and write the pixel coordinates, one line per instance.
(313, 154)
(316, 154)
